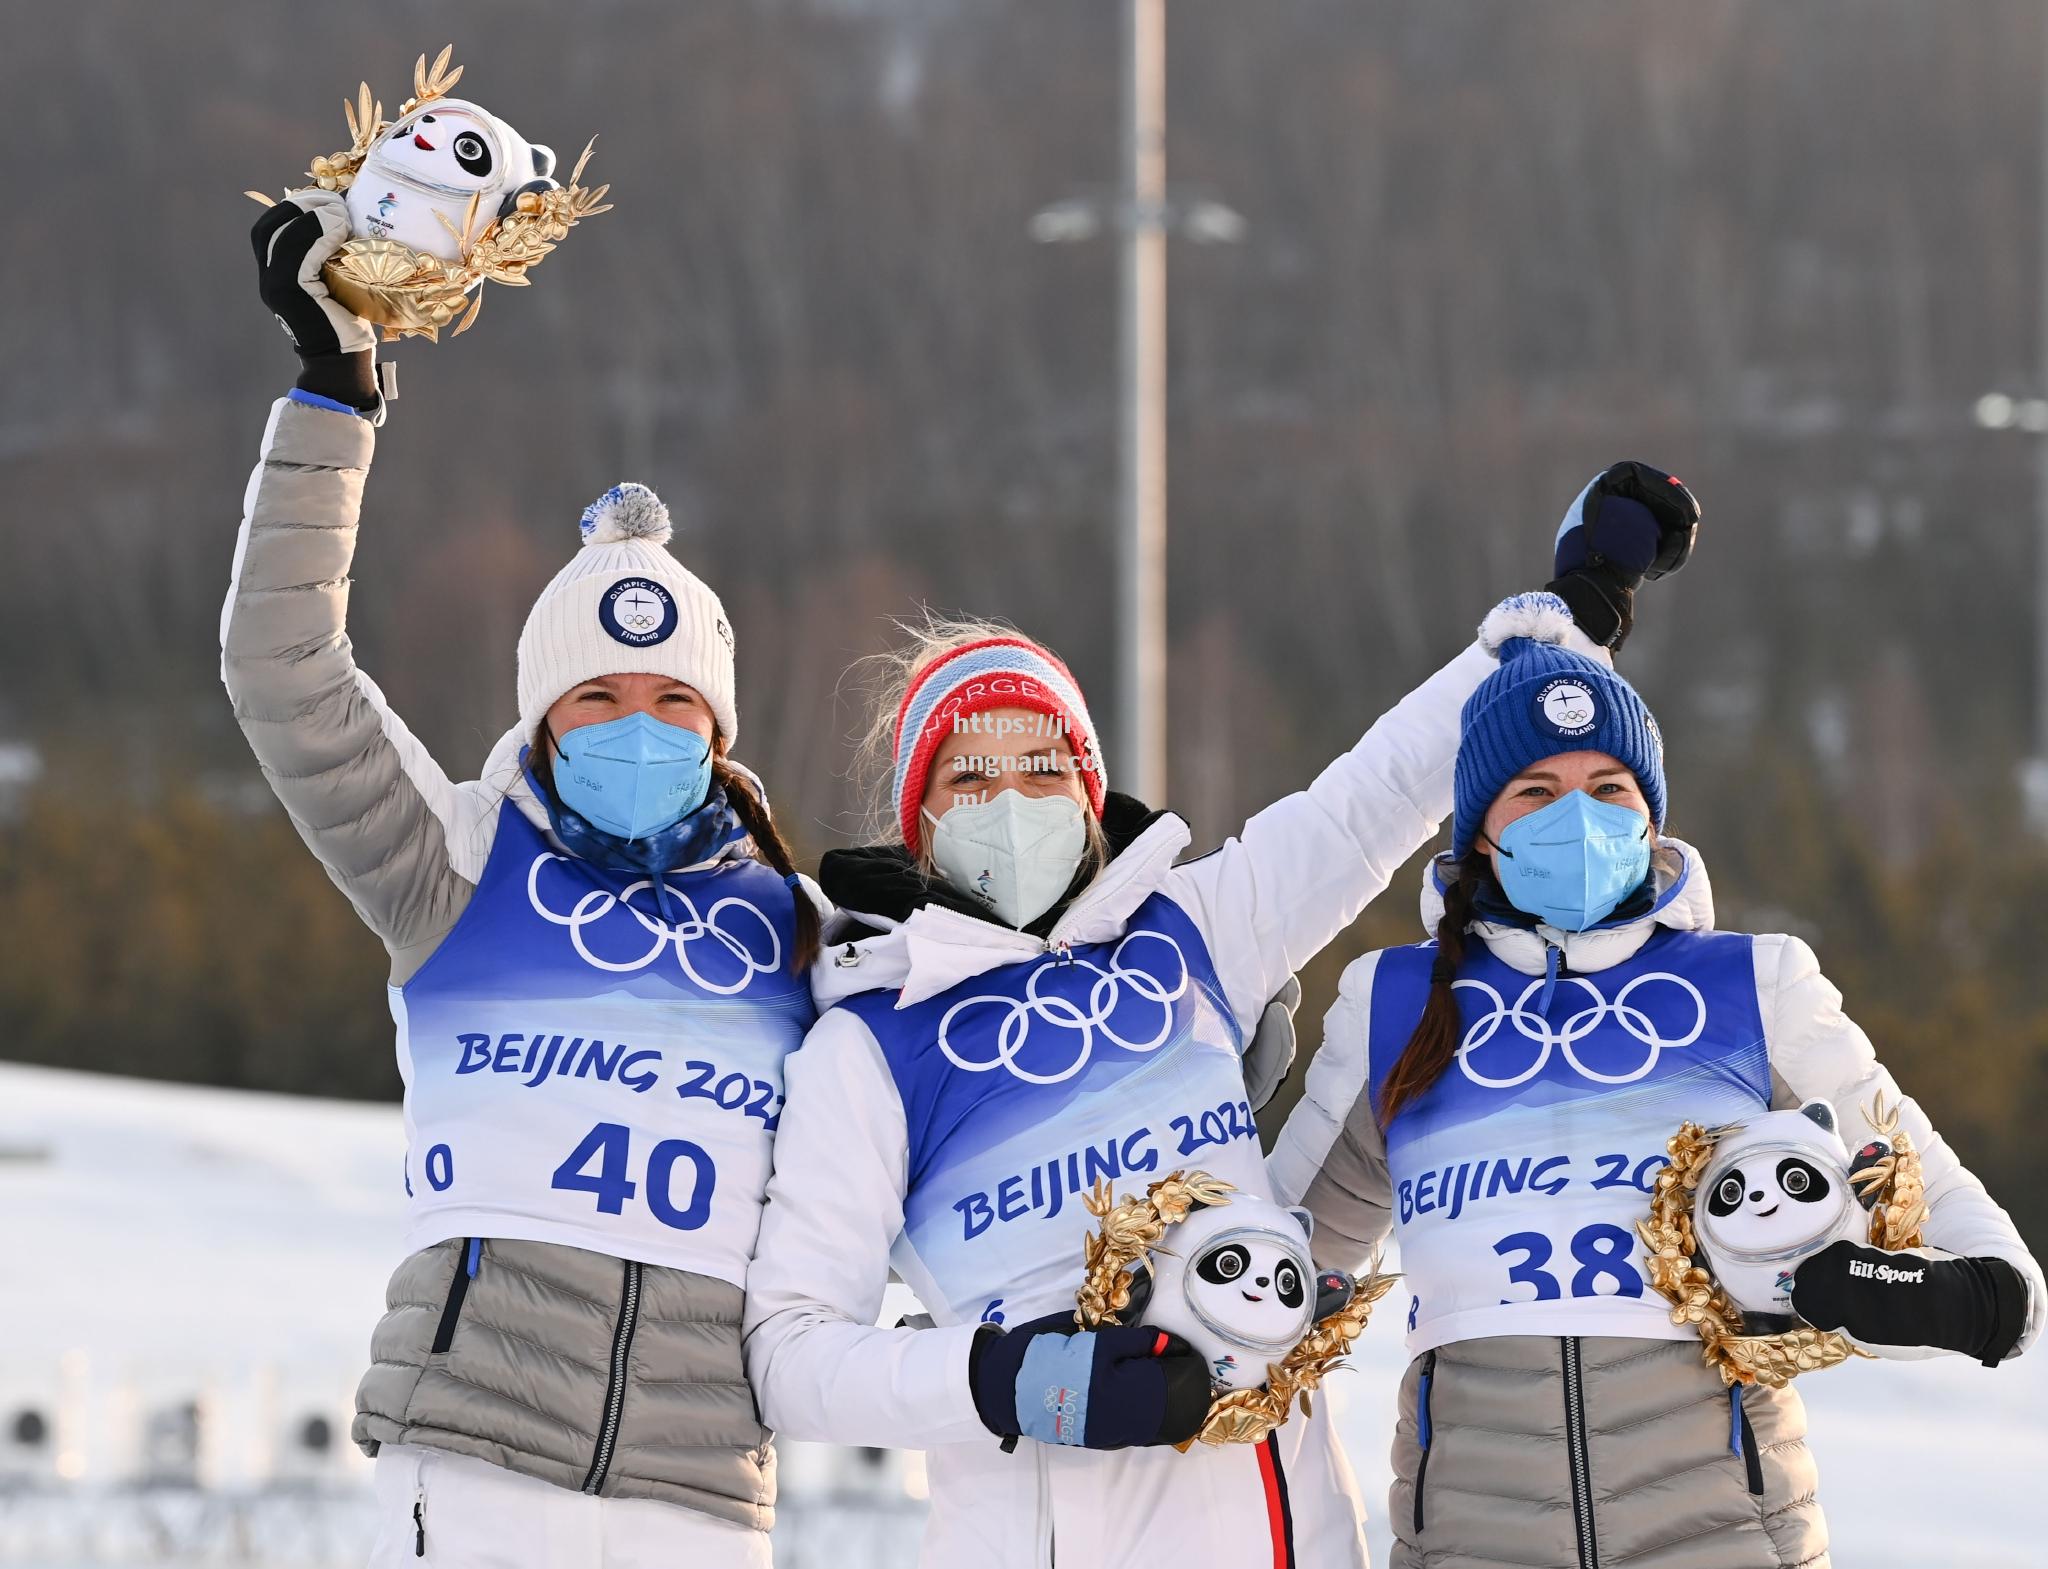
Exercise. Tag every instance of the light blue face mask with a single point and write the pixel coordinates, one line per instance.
(632, 776)
(1571, 863)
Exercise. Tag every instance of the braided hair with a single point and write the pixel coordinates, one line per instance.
(771, 847)
(1434, 1044)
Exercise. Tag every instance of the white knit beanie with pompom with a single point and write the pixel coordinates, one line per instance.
(623, 605)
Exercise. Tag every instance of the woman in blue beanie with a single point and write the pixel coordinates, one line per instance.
(1500, 1099)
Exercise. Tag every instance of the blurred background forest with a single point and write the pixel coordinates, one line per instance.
(1490, 247)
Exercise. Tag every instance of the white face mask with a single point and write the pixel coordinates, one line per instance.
(1014, 853)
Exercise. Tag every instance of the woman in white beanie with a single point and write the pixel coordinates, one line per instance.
(598, 957)
(1028, 990)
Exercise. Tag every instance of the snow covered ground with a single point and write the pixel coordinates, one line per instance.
(188, 1278)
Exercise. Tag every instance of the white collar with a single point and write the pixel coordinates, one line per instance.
(934, 949)
(1685, 902)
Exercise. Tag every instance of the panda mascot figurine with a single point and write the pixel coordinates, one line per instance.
(427, 167)
(1777, 1190)
(1236, 1282)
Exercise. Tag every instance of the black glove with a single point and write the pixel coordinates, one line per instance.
(1106, 1388)
(337, 348)
(1977, 1306)
(1634, 523)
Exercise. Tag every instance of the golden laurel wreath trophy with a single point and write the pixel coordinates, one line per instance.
(1778, 1189)
(441, 200)
(1230, 1273)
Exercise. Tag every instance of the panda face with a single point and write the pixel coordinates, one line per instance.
(448, 148)
(1765, 1206)
(1251, 1287)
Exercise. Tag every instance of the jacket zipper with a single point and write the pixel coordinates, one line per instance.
(419, 1522)
(1279, 1508)
(1582, 1466)
(1554, 968)
(466, 1264)
(1422, 1429)
(1742, 1439)
(1045, 1524)
(615, 1391)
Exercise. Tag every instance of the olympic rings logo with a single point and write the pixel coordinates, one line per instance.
(1534, 1027)
(1105, 992)
(717, 925)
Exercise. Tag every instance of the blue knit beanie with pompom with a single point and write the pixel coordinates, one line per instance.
(1541, 701)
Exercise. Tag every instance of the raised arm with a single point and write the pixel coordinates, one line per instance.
(392, 831)
(1299, 872)
(1302, 869)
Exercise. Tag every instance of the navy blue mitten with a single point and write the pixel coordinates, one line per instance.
(1109, 1388)
(1632, 524)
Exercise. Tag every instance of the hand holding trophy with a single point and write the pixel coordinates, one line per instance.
(1230, 1273)
(435, 203)
(1737, 1211)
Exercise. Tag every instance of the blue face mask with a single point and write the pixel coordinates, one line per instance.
(633, 776)
(1573, 862)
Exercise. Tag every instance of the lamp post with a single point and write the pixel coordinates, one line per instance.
(1143, 214)
(1999, 411)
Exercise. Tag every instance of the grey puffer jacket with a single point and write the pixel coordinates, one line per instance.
(620, 1378)
(1586, 1451)
(519, 1364)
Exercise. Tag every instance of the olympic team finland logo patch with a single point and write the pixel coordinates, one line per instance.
(637, 611)
(1567, 706)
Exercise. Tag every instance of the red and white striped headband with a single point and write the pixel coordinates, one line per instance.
(993, 672)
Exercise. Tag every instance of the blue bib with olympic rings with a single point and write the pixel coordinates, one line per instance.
(585, 1066)
(1023, 1086)
(1519, 1175)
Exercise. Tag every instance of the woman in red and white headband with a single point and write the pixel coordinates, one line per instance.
(1026, 990)
(1019, 814)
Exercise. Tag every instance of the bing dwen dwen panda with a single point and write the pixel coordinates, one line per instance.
(1237, 1283)
(429, 165)
(1777, 1191)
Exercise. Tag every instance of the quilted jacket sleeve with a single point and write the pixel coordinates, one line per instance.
(400, 840)
(1331, 1157)
(1819, 1053)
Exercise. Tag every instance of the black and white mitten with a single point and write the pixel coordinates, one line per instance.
(337, 349)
